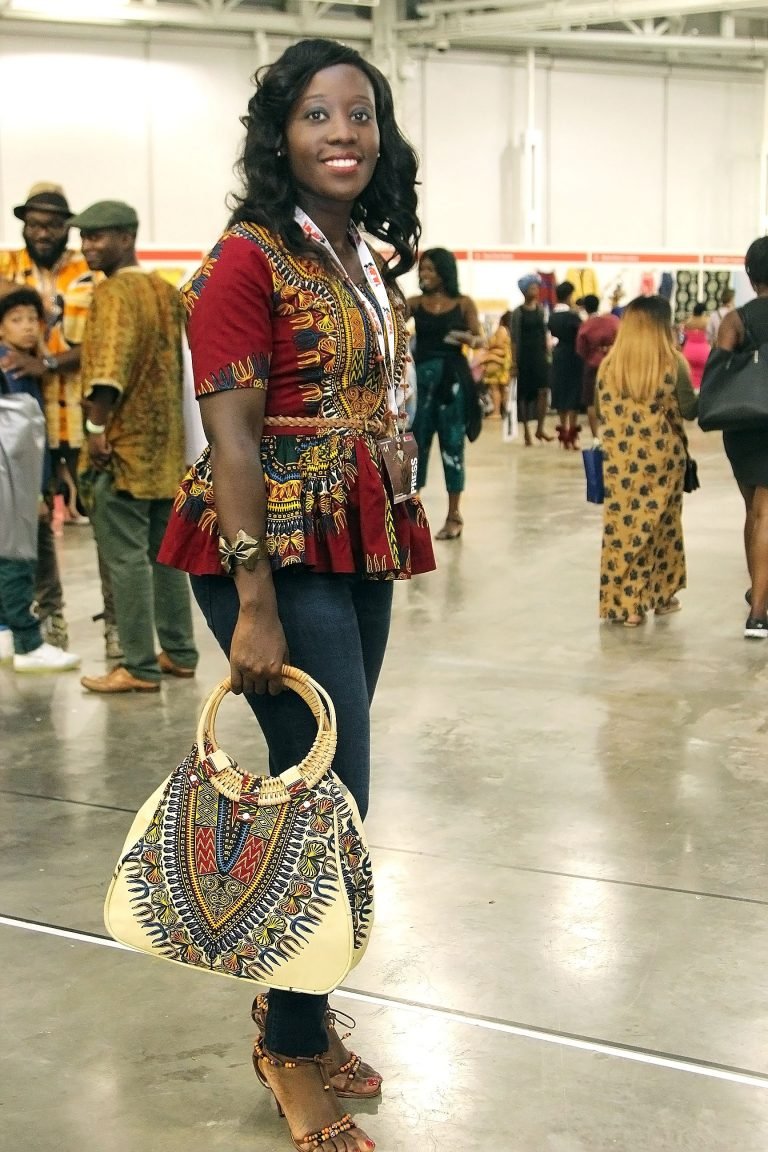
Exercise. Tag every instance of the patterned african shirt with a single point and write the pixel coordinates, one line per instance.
(261, 317)
(132, 343)
(66, 290)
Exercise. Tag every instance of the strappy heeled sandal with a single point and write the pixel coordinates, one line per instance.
(311, 1140)
(573, 438)
(445, 532)
(353, 1069)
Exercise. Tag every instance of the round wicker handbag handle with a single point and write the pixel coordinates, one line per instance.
(228, 779)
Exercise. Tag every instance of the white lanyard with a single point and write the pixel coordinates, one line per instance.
(387, 342)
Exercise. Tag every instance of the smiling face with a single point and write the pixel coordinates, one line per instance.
(331, 136)
(429, 280)
(105, 249)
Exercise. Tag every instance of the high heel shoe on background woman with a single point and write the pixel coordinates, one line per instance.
(572, 435)
(450, 533)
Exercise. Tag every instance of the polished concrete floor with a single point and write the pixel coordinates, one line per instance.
(570, 829)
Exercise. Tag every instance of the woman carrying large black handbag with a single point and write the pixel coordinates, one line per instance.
(734, 387)
(734, 399)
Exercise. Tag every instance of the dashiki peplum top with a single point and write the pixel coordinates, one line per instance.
(260, 317)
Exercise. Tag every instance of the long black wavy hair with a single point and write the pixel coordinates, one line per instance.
(444, 263)
(387, 207)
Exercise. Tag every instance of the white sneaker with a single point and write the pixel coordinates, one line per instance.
(6, 646)
(46, 658)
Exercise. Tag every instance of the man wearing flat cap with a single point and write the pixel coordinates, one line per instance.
(133, 389)
(65, 283)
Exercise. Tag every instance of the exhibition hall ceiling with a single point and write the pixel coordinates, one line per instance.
(731, 34)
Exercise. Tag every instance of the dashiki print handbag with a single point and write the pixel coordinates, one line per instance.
(258, 877)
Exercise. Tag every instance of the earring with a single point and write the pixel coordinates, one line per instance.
(281, 152)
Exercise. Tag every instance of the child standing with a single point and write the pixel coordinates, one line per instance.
(23, 476)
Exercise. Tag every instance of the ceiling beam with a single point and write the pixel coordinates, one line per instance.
(525, 15)
(203, 17)
(429, 9)
(609, 43)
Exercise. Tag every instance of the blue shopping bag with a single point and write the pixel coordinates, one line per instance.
(593, 467)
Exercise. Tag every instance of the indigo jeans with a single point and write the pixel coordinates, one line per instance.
(336, 627)
(17, 591)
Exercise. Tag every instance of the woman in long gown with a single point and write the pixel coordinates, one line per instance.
(644, 392)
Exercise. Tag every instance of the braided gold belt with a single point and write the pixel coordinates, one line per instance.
(302, 425)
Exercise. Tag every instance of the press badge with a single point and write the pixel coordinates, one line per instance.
(400, 456)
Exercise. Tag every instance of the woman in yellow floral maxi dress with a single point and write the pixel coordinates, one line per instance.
(644, 392)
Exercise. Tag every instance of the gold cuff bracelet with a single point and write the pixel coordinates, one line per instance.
(246, 550)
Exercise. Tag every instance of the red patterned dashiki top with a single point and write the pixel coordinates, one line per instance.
(260, 317)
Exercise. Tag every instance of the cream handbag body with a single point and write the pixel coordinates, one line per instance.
(258, 877)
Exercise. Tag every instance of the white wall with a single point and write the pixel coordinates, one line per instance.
(631, 159)
(712, 184)
(470, 120)
(606, 156)
(155, 124)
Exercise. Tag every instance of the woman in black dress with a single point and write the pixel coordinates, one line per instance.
(567, 366)
(528, 329)
(445, 322)
(747, 449)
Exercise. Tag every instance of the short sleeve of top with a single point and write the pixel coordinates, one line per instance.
(229, 318)
(110, 338)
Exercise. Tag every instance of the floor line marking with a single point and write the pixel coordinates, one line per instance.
(563, 1039)
(436, 856)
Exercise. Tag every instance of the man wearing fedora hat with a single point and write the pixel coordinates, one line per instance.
(65, 283)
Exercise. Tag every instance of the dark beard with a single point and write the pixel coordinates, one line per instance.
(46, 259)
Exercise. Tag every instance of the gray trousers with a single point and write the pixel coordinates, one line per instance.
(149, 597)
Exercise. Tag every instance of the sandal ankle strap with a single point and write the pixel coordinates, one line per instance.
(259, 1009)
(277, 1061)
(332, 1017)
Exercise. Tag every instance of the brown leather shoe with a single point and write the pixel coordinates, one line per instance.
(119, 680)
(172, 669)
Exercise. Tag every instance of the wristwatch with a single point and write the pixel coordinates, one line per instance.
(51, 363)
